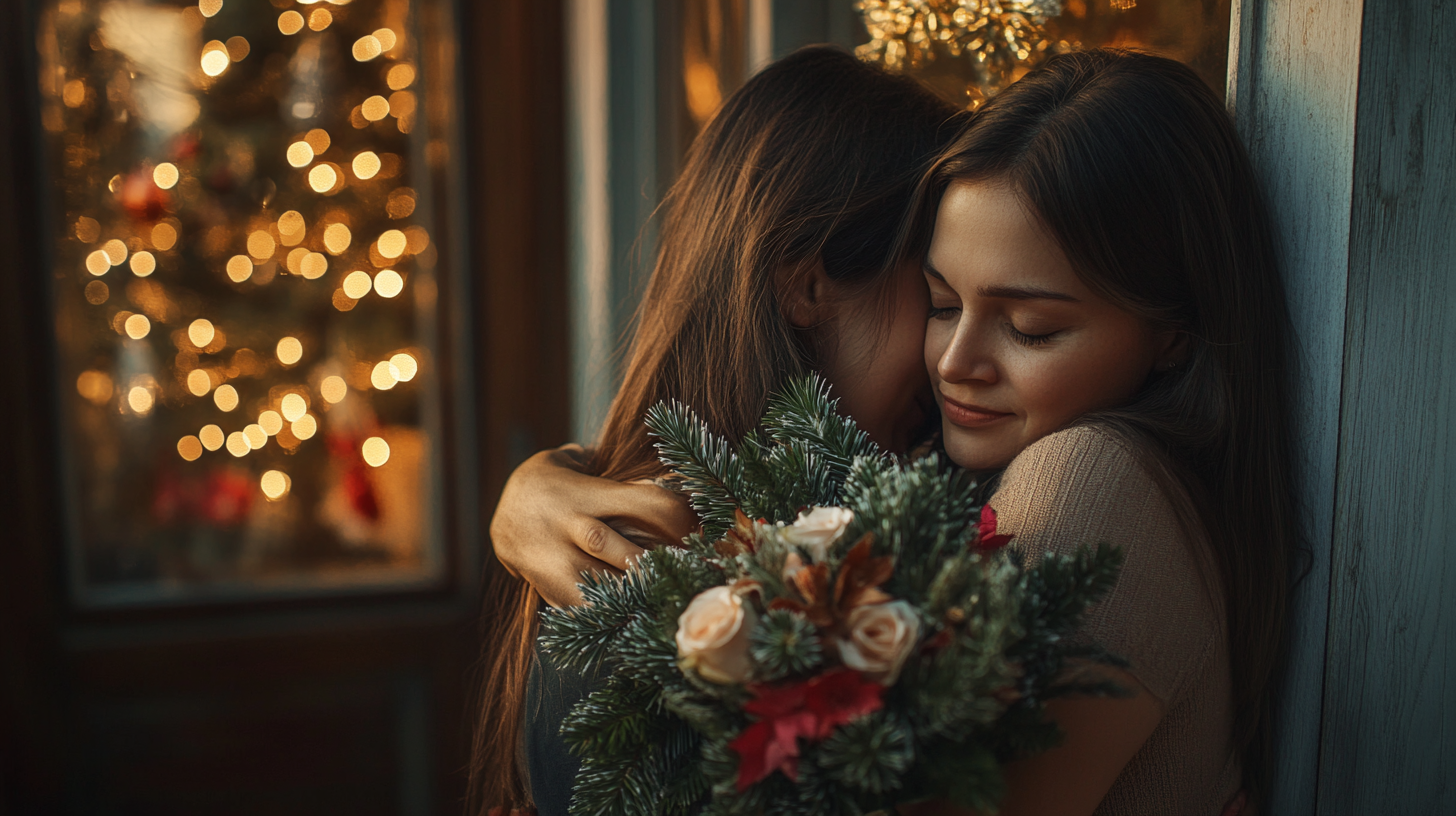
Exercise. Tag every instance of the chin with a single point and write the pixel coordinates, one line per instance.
(971, 453)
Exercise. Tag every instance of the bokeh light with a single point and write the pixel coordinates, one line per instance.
(289, 351)
(140, 399)
(261, 245)
(255, 436)
(115, 251)
(214, 62)
(322, 178)
(337, 238)
(165, 174)
(97, 293)
(300, 154)
(143, 264)
(138, 326)
(226, 398)
(375, 451)
(388, 283)
(271, 422)
(199, 382)
(239, 268)
(405, 365)
(190, 448)
(209, 7)
(237, 444)
(366, 165)
(367, 48)
(211, 436)
(320, 19)
(290, 22)
(357, 284)
(374, 108)
(275, 484)
(333, 389)
(293, 406)
(386, 38)
(392, 243)
(313, 266)
(201, 332)
(304, 427)
(384, 375)
(164, 236)
(97, 263)
(94, 386)
(400, 77)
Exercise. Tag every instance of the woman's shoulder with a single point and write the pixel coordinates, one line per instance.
(1090, 485)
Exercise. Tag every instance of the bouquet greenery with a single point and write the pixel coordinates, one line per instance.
(845, 634)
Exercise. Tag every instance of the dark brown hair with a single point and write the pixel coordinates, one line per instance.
(1132, 163)
(815, 159)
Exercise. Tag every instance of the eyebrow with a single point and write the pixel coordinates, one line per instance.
(1008, 292)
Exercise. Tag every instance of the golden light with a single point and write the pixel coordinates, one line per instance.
(392, 243)
(357, 284)
(416, 239)
(97, 263)
(401, 203)
(320, 19)
(201, 332)
(237, 444)
(209, 7)
(275, 484)
(140, 399)
(337, 237)
(385, 37)
(97, 293)
(238, 48)
(211, 437)
(400, 77)
(115, 183)
(322, 178)
(199, 382)
(290, 22)
(402, 103)
(375, 450)
(239, 268)
(384, 376)
(289, 350)
(255, 436)
(291, 221)
(226, 398)
(293, 406)
(189, 447)
(367, 48)
(333, 389)
(388, 283)
(214, 62)
(95, 386)
(366, 165)
(115, 251)
(304, 427)
(87, 229)
(138, 326)
(405, 365)
(261, 245)
(300, 154)
(374, 108)
(73, 93)
(271, 422)
(319, 140)
(164, 236)
(143, 264)
(165, 174)
(343, 302)
(314, 265)
(295, 260)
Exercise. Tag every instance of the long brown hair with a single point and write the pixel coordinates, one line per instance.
(815, 159)
(1131, 162)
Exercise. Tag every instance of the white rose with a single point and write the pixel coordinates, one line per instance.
(712, 635)
(880, 637)
(817, 529)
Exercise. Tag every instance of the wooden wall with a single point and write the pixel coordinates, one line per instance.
(1349, 111)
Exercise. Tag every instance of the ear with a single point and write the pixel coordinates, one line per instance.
(1171, 349)
(804, 294)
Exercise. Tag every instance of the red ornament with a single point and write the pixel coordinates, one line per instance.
(987, 540)
(810, 710)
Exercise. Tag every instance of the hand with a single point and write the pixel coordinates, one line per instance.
(554, 522)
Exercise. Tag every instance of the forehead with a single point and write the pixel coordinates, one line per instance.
(986, 235)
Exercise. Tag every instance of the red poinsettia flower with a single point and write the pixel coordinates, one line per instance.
(809, 710)
(988, 540)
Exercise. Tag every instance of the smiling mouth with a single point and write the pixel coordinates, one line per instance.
(970, 416)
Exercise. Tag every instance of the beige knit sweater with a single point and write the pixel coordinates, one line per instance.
(1084, 486)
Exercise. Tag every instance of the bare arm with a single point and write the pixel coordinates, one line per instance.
(554, 522)
(1102, 735)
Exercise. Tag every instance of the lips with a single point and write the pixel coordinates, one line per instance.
(970, 416)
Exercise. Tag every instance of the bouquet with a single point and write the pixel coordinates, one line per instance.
(845, 634)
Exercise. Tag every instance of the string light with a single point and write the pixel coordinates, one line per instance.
(375, 451)
(384, 375)
(201, 332)
(271, 422)
(293, 406)
(255, 436)
(290, 22)
(209, 8)
(289, 351)
(239, 268)
(138, 326)
(226, 398)
(304, 427)
(388, 283)
(211, 437)
(274, 484)
(165, 175)
(405, 367)
(140, 399)
(143, 263)
(357, 284)
(237, 444)
(199, 382)
(367, 48)
(189, 448)
(333, 389)
(337, 238)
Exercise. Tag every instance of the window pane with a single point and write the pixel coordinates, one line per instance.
(244, 295)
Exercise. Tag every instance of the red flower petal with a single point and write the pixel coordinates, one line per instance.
(752, 748)
(986, 539)
(842, 696)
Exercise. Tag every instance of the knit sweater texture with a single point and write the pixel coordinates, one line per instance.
(1165, 614)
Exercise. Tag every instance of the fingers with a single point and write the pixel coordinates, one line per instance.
(558, 586)
(602, 543)
(666, 514)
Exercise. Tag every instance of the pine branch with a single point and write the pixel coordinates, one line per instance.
(712, 472)
(804, 414)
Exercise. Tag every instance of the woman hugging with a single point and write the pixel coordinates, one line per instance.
(1074, 288)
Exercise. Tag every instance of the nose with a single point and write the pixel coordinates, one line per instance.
(968, 358)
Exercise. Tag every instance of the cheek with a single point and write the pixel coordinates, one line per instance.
(1056, 389)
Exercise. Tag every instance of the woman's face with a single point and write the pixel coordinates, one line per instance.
(872, 357)
(1016, 345)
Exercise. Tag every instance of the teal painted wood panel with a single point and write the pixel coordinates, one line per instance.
(1389, 736)
(1293, 73)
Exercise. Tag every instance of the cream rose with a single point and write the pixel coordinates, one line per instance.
(817, 529)
(712, 635)
(880, 637)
